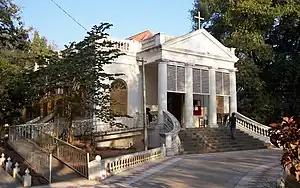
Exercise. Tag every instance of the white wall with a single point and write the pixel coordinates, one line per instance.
(127, 65)
(151, 87)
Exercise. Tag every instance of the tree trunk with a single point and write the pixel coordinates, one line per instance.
(70, 118)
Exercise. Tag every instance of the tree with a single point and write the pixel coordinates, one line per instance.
(12, 32)
(283, 77)
(17, 58)
(39, 46)
(246, 25)
(79, 72)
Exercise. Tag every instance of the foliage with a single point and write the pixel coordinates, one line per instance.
(79, 71)
(17, 58)
(40, 47)
(286, 135)
(266, 35)
(12, 32)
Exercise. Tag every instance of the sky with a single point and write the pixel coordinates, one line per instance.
(128, 17)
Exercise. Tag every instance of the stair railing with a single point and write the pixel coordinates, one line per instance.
(253, 128)
(171, 130)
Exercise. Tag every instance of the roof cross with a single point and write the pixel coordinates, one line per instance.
(199, 18)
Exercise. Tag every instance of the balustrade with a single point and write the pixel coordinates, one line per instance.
(106, 167)
(253, 128)
(171, 130)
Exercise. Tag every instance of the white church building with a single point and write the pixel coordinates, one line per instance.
(192, 76)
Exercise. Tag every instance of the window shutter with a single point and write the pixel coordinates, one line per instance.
(171, 69)
(196, 81)
(119, 94)
(219, 83)
(226, 83)
(205, 81)
(180, 79)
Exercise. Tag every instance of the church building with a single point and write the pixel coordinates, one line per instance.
(192, 76)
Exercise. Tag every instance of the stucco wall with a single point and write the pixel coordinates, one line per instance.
(151, 87)
(131, 75)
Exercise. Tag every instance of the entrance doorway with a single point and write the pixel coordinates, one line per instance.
(222, 103)
(175, 103)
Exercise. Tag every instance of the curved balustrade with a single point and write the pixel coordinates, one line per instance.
(253, 128)
(171, 130)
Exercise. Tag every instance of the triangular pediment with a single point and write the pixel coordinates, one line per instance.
(201, 42)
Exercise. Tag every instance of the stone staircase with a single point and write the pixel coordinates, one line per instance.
(206, 140)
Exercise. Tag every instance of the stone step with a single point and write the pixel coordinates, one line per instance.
(217, 140)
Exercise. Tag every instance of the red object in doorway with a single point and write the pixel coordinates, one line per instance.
(197, 108)
(197, 111)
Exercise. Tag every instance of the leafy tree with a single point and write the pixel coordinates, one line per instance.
(79, 72)
(17, 58)
(247, 25)
(12, 32)
(39, 46)
(282, 75)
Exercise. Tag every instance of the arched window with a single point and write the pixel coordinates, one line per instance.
(119, 94)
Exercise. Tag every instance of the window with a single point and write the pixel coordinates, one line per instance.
(222, 83)
(119, 94)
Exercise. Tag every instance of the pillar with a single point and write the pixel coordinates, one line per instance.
(233, 98)
(162, 90)
(140, 91)
(188, 100)
(212, 114)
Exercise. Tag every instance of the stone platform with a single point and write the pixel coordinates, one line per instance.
(239, 169)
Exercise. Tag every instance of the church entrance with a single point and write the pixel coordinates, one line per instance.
(175, 103)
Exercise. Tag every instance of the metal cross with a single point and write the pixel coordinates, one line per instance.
(199, 18)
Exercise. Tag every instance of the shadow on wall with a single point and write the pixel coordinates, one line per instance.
(124, 143)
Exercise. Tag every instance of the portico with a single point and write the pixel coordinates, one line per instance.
(197, 70)
(191, 76)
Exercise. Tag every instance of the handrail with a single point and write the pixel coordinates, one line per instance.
(251, 120)
(171, 131)
(97, 126)
(38, 158)
(74, 157)
(253, 128)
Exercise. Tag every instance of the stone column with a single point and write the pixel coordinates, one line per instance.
(140, 91)
(233, 98)
(212, 114)
(162, 90)
(188, 97)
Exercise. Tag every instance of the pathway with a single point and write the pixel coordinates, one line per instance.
(6, 181)
(247, 169)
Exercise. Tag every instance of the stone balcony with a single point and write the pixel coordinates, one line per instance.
(126, 45)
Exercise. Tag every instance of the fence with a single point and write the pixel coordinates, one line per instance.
(100, 169)
(88, 126)
(74, 157)
(39, 159)
(118, 164)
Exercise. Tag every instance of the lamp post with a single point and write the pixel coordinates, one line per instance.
(144, 103)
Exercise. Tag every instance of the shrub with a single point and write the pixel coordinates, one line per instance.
(286, 135)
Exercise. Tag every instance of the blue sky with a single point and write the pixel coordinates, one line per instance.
(128, 17)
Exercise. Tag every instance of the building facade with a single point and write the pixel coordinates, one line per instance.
(192, 76)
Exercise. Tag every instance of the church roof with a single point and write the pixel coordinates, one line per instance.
(141, 36)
